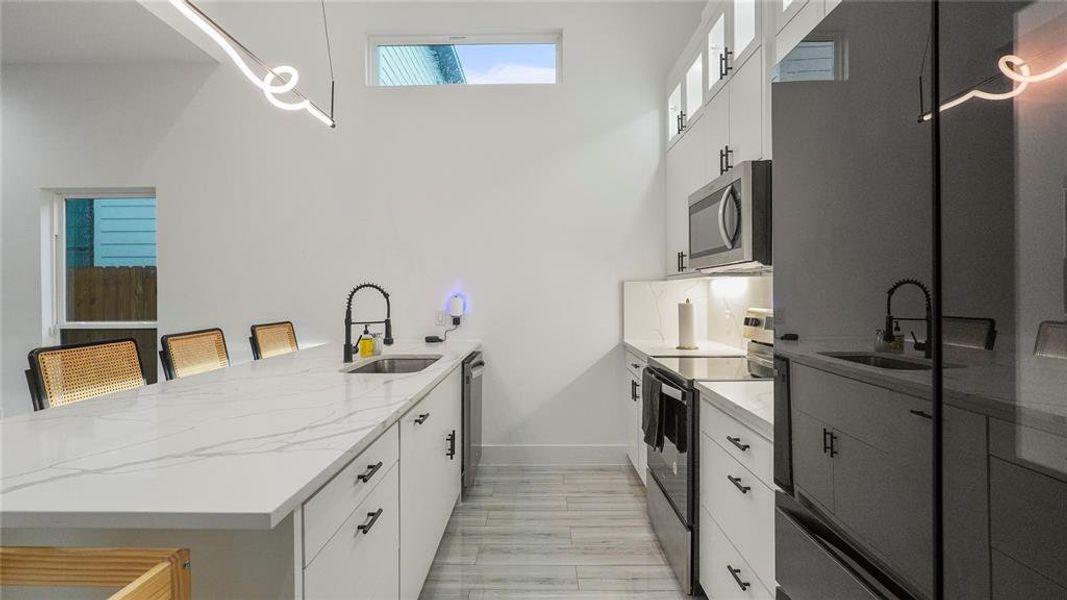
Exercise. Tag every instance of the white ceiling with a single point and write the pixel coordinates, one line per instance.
(95, 31)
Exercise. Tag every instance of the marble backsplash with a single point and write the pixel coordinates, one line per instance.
(650, 308)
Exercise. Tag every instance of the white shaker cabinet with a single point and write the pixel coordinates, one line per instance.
(687, 171)
(636, 450)
(361, 560)
(430, 468)
(747, 114)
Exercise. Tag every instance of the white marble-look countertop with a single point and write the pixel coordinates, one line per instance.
(750, 402)
(977, 380)
(648, 348)
(237, 448)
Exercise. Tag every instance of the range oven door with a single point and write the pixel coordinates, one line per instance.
(670, 465)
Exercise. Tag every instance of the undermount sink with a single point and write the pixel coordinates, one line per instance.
(388, 365)
(881, 361)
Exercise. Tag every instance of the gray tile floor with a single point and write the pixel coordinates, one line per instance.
(548, 533)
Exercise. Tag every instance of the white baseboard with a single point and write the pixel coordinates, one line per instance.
(554, 454)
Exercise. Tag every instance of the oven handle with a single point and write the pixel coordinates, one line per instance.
(668, 388)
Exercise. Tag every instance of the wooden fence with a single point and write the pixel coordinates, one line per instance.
(111, 294)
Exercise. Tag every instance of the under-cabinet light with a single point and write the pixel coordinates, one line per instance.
(271, 90)
(1012, 67)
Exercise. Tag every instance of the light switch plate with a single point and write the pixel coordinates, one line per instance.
(441, 318)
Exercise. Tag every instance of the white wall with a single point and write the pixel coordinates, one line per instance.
(535, 201)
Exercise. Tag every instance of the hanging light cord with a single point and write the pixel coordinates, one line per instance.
(329, 57)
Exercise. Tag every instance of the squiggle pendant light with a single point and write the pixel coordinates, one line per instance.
(1012, 67)
(286, 76)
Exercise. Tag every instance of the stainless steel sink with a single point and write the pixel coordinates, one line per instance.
(881, 361)
(389, 365)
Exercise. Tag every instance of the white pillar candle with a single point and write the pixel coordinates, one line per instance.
(686, 332)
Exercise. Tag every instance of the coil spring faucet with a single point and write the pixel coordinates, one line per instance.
(349, 323)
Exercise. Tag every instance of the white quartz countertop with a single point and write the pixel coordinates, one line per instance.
(750, 402)
(237, 448)
(988, 383)
(649, 348)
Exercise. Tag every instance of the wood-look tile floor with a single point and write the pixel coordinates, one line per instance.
(551, 533)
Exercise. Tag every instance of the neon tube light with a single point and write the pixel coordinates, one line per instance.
(1012, 67)
(287, 75)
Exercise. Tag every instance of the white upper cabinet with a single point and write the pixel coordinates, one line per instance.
(747, 33)
(735, 32)
(694, 87)
(717, 50)
(674, 112)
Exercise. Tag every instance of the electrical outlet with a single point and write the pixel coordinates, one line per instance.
(442, 318)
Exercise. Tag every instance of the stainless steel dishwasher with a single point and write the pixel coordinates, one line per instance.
(473, 369)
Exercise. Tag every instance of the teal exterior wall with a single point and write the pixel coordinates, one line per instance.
(436, 64)
(111, 232)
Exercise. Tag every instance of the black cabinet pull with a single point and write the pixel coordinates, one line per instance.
(737, 484)
(633, 390)
(371, 470)
(727, 67)
(372, 518)
(737, 442)
(635, 365)
(722, 161)
(728, 152)
(921, 413)
(419, 420)
(825, 440)
(833, 445)
(452, 445)
(744, 585)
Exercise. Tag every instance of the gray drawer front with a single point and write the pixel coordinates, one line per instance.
(1013, 581)
(807, 571)
(1029, 518)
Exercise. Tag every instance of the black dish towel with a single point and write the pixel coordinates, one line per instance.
(651, 410)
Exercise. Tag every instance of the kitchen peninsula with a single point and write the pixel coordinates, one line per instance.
(253, 469)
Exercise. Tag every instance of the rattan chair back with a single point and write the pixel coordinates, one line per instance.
(193, 352)
(74, 372)
(272, 339)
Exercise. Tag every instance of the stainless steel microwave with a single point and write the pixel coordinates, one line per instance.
(730, 219)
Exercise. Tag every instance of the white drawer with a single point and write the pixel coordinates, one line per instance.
(720, 563)
(333, 503)
(747, 517)
(634, 364)
(750, 449)
(357, 563)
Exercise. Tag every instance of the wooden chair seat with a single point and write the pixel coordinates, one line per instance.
(141, 573)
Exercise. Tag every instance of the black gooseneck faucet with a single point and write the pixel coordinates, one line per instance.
(925, 346)
(348, 319)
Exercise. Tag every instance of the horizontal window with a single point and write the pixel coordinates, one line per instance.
(811, 60)
(465, 60)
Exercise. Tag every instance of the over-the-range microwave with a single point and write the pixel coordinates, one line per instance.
(730, 219)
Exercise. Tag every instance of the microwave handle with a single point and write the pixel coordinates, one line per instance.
(727, 239)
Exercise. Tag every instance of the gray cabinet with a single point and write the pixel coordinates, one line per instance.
(1029, 518)
(813, 469)
(863, 452)
(1014, 581)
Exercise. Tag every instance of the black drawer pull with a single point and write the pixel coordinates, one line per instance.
(635, 365)
(419, 420)
(737, 442)
(372, 518)
(826, 435)
(371, 470)
(737, 483)
(452, 445)
(744, 585)
(921, 413)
